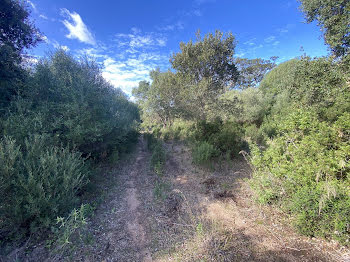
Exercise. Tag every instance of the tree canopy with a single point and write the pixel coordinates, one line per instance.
(333, 16)
(17, 32)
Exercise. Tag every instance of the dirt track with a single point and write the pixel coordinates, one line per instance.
(189, 214)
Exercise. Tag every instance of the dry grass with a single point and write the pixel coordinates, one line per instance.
(219, 221)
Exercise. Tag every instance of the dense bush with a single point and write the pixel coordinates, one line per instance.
(78, 106)
(203, 152)
(38, 182)
(228, 139)
(158, 157)
(66, 114)
(224, 136)
(306, 169)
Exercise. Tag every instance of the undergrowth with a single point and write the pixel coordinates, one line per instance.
(305, 170)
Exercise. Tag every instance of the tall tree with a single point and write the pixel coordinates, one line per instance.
(17, 32)
(160, 100)
(207, 68)
(333, 16)
(252, 71)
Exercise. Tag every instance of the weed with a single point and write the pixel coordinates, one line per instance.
(160, 190)
(203, 152)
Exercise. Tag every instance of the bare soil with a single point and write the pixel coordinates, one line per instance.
(189, 214)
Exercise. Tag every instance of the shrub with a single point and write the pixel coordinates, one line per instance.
(38, 183)
(254, 134)
(71, 101)
(179, 130)
(204, 130)
(228, 138)
(306, 170)
(203, 152)
(158, 154)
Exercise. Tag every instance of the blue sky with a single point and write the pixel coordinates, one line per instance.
(129, 38)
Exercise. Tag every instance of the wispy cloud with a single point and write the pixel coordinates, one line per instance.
(171, 27)
(76, 27)
(270, 39)
(201, 2)
(32, 5)
(127, 73)
(250, 42)
(43, 17)
(136, 39)
(286, 28)
(130, 57)
(197, 12)
(56, 45)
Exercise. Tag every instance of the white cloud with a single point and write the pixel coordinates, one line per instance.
(124, 69)
(286, 28)
(43, 17)
(276, 43)
(32, 5)
(57, 45)
(65, 48)
(283, 30)
(77, 28)
(137, 40)
(45, 39)
(197, 13)
(176, 26)
(250, 42)
(127, 73)
(269, 39)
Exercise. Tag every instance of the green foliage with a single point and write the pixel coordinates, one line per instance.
(255, 134)
(306, 170)
(73, 103)
(223, 137)
(67, 229)
(38, 182)
(66, 114)
(203, 152)
(245, 106)
(205, 67)
(158, 158)
(321, 83)
(228, 139)
(280, 78)
(16, 34)
(160, 100)
(179, 130)
(334, 19)
(252, 71)
(160, 190)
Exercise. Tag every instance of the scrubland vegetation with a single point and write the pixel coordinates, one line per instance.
(59, 118)
(292, 118)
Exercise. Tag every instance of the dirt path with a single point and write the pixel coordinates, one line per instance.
(189, 214)
(118, 231)
(134, 226)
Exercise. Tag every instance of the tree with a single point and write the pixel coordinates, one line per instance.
(206, 68)
(16, 34)
(252, 71)
(280, 78)
(334, 18)
(160, 101)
